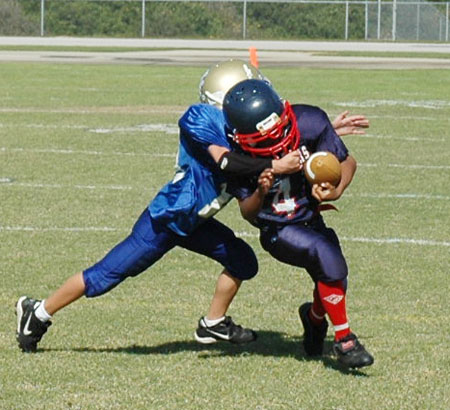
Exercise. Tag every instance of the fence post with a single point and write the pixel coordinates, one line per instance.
(366, 22)
(143, 19)
(346, 20)
(42, 17)
(379, 20)
(394, 20)
(418, 22)
(446, 21)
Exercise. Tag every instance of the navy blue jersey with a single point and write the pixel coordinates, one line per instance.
(198, 189)
(289, 200)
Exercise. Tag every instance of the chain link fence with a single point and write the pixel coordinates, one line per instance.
(250, 19)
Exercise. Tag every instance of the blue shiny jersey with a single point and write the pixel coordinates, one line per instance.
(198, 190)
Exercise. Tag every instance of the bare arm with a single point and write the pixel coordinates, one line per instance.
(327, 192)
(251, 205)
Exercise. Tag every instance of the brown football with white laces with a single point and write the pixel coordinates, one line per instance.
(323, 166)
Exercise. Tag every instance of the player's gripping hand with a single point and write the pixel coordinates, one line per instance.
(289, 164)
(325, 192)
(345, 124)
(265, 181)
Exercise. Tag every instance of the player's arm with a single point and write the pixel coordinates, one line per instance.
(235, 164)
(251, 205)
(328, 192)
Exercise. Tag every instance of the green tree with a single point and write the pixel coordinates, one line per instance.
(13, 20)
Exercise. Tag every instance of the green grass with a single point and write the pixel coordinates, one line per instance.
(134, 348)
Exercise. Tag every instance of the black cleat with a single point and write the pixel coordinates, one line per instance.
(29, 328)
(351, 353)
(313, 336)
(226, 331)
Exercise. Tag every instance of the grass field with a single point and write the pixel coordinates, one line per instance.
(83, 149)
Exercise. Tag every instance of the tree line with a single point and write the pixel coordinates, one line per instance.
(212, 20)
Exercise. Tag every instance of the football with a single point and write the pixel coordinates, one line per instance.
(323, 166)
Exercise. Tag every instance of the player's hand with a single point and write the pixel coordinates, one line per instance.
(289, 164)
(325, 192)
(265, 181)
(345, 124)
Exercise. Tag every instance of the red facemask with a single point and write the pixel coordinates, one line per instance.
(281, 138)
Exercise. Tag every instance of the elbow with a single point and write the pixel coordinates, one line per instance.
(353, 162)
(349, 165)
(248, 215)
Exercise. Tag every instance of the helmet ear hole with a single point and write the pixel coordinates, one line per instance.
(220, 77)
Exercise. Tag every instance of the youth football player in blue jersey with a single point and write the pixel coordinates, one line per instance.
(287, 209)
(180, 215)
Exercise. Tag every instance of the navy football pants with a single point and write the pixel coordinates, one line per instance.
(148, 242)
(313, 247)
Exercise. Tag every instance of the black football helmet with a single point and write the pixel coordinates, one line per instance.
(263, 124)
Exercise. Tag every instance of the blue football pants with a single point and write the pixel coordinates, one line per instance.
(148, 242)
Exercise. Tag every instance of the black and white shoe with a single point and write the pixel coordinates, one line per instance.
(313, 336)
(226, 331)
(29, 328)
(351, 353)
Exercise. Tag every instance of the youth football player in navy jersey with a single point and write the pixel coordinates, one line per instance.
(287, 208)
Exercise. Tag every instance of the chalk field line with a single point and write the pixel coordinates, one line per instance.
(172, 129)
(8, 182)
(381, 241)
(173, 155)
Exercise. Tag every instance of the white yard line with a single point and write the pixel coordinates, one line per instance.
(82, 152)
(95, 110)
(409, 139)
(410, 166)
(147, 154)
(421, 242)
(427, 104)
(405, 117)
(61, 186)
(9, 182)
(57, 229)
(399, 196)
(166, 128)
(408, 241)
(172, 129)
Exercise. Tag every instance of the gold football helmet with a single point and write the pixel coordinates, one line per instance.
(220, 77)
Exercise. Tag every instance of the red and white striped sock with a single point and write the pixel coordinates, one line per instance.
(332, 296)
(317, 312)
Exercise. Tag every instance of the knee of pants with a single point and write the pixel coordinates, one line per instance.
(129, 258)
(97, 281)
(330, 264)
(332, 275)
(242, 263)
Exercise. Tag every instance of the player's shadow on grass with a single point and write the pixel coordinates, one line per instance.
(273, 344)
